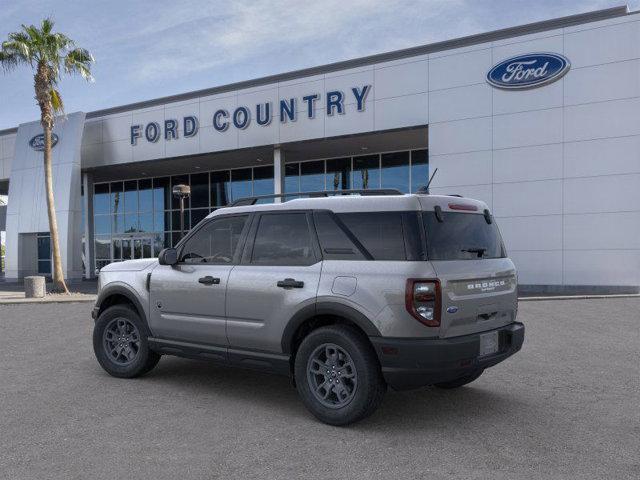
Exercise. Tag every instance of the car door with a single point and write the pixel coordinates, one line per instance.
(278, 275)
(187, 300)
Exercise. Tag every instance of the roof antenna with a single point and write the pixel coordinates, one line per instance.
(424, 190)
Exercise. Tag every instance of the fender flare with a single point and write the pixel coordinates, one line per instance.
(326, 308)
(128, 293)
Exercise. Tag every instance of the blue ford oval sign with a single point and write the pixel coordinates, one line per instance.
(528, 71)
(37, 142)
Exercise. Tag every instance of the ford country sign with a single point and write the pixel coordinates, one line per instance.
(37, 142)
(528, 71)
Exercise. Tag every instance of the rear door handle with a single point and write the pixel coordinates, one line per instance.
(290, 283)
(209, 280)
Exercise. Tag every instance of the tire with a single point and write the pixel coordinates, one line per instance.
(459, 382)
(131, 358)
(354, 390)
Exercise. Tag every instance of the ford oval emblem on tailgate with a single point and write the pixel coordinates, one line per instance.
(452, 309)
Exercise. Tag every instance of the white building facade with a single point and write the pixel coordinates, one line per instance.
(541, 121)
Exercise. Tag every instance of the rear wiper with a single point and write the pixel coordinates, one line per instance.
(479, 251)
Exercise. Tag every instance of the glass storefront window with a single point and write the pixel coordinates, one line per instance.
(366, 172)
(395, 171)
(102, 224)
(292, 178)
(117, 191)
(241, 183)
(145, 195)
(263, 180)
(419, 169)
(130, 196)
(200, 190)
(145, 211)
(312, 176)
(220, 188)
(145, 222)
(101, 199)
(161, 194)
(338, 174)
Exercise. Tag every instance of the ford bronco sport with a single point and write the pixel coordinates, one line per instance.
(345, 293)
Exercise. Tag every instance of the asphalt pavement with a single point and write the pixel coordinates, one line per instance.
(566, 406)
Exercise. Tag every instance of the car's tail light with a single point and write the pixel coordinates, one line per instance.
(422, 298)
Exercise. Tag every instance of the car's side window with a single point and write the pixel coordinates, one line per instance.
(216, 242)
(283, 239)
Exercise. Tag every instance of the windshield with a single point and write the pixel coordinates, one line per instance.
(461, 236)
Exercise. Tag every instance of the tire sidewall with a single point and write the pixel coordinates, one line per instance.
(367, 370)
(141, 362)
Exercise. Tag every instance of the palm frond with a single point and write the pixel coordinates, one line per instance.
(56, 101)
(79, 60)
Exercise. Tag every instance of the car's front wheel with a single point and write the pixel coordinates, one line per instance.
(338, 376)
(120, 343)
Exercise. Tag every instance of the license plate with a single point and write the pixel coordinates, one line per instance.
(488, 343)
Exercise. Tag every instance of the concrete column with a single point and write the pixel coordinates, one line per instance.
(278, 172)
(87, 186)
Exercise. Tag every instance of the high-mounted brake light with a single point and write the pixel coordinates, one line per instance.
(423, 300)
(463, 206)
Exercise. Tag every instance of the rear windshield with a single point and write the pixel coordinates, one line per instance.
(462, 236)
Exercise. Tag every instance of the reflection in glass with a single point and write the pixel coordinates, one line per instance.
(292, 178)
(131, 196)
(161, 221)
(419, 169)
(366, 172)
(263, 180)
(175, 221)
(103, 251)
(240, 183)
(117, 249)
(145, 222)
(145, 195)
(161, 194)
(395, 171)
(102, 224)
(312, 176)
(199, 190)
(126, 249)
(220, 188)
(118, 224)
(116, 197)
(101, 199)
(339, 174)
(131, 222)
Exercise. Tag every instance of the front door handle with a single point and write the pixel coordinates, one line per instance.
(209, 280)
(290, 283)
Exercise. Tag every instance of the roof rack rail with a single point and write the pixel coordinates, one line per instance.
(247, 201)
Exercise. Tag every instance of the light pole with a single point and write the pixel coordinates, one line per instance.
(181, 192)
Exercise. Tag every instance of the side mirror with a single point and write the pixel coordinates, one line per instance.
(168, 256)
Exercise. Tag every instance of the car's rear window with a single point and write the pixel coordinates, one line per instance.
(461, 236)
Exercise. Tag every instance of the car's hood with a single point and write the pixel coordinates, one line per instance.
(130, 265)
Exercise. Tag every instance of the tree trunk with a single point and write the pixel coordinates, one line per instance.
(42, 85)
(59, 285)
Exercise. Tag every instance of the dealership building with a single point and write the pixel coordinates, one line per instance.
(540, 121)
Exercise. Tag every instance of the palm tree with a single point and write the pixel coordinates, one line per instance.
(47, 53)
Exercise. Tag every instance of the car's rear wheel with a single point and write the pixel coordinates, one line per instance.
(120, 343)
(459, 382)
(338, 376)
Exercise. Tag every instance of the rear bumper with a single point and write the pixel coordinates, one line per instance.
(413, 363)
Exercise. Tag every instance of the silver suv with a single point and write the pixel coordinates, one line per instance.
(344, 293)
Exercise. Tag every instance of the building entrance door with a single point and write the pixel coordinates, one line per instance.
(132, 247)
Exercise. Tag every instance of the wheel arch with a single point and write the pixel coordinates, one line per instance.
(320, 314)
(119, 294)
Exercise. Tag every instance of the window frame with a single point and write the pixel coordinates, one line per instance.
(247, 252)
(239, 248)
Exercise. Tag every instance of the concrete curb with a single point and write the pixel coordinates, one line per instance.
(56, 299)
(577, 297)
